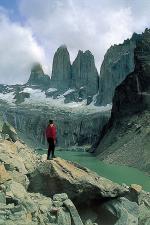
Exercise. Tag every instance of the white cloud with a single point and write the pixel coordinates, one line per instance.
(80, 24)
(18, 50)
(93, 25)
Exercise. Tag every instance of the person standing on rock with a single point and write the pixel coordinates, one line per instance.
(51, 138)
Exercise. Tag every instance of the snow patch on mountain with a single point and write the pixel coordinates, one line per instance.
(51, 90)
(8, 97)
(39, 98)
(68, 92)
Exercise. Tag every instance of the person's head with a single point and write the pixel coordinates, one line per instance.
(50, 121)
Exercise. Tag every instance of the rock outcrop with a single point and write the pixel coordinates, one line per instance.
(117, 64)
(7, 129)
(125, 139)
(20, 97)
(126, 211)
(94, 199)
(21, 206)
(84, 73)
(61, 69)
(78, 182)
(133, 95)
(37, 77)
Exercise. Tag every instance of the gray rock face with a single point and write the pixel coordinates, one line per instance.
(37, 76)
(2, 198)
(126, 211)
(73, 211)
(61, 69)
(133, 94)
(84, 73)
(72, 129)
(144, 206)
(117, 64)
(125, 138)
(81, 75)
(68, 212)
(63, 217)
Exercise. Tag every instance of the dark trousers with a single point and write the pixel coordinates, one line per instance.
(51, 147)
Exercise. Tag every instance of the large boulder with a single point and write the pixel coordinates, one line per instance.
(127, 212)
(78, 182)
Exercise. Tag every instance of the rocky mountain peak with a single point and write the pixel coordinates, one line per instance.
(62, 47)
(80, 53)
(83, 54)
(81, 77)
(84, 72)
(37, 76)
(61, 69)
(117, 64)
(37, 69)
(88, 52)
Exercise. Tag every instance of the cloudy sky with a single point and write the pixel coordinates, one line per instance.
(32, 30)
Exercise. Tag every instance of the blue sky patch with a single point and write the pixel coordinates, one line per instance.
(12, 7)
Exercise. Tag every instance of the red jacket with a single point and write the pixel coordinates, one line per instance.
(51, 132)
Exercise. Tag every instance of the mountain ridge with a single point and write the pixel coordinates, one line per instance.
(125, 138)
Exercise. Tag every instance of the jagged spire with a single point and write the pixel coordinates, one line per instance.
(84, 72)
(61, 69)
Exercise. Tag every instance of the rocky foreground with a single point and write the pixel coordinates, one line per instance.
(36, 191)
